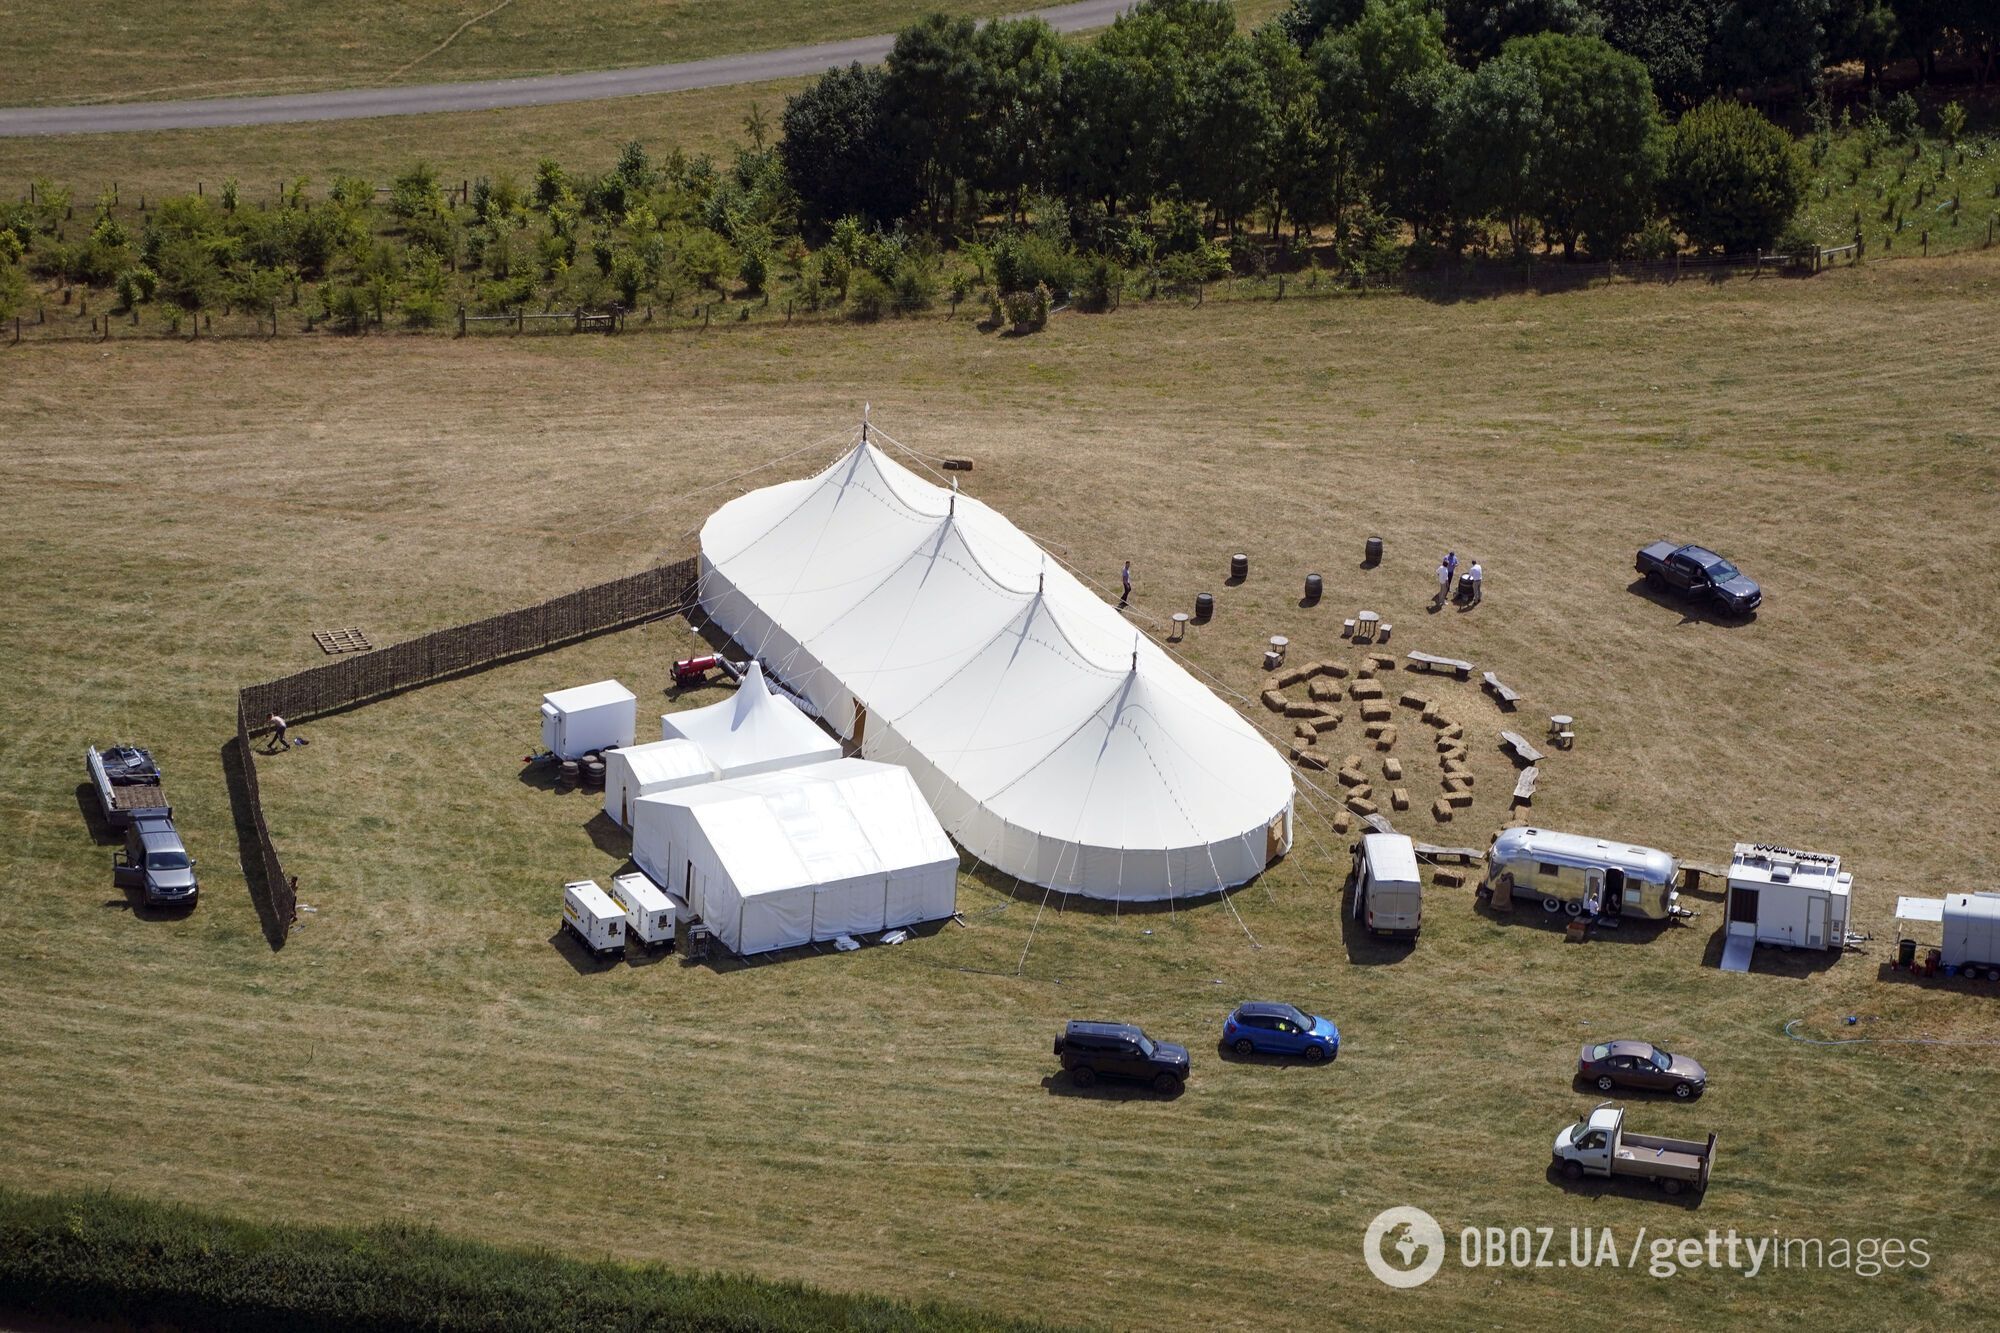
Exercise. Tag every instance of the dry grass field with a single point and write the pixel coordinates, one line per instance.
(119, 50)
(181, 516)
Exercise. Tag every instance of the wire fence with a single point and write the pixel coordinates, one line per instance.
(439, 655)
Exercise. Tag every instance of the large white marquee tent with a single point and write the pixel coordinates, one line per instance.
(637, 770)
(752, 731)
(1054, 741)
(780, 859)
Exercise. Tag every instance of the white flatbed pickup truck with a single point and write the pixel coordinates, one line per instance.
(1599, 1146)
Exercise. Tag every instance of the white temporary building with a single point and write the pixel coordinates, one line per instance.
(779, 859)
(588, 717)
(1053, 741)
(635, 770)
(756, 730)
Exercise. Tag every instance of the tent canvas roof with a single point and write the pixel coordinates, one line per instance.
(664, 761)
(1039, 723)
(752, 730)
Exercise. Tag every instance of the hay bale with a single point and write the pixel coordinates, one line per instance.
(1362, 793)
(1451, 732)
(1323, 690)
(1457, 799)
(1376, 711)
(1456, 768)
(1441, 812)
(1360, 805)
(1275, 701)
(1310, 759)
(1364, 672)
(1301, 708)
(1296, 676)
(1351, 764)
(1455, 755)
(1331, 668)
(1392, 769)
(1374, 729)
(1458, 782)
(1328, 719)
(1350, 776)
(1387, 738)
(1399, 797)
(1411, 699)
(1342, 821)
(1434, 718)
(1305, 733)
(1365, 689)
(1448, 879)
(1382, 661)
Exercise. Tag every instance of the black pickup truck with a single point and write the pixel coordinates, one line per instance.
(1701, 573)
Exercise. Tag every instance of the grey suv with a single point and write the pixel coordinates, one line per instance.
(1120, 1050)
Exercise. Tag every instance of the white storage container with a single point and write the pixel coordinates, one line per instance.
(651, 913)
(591, 916)
(588, 717)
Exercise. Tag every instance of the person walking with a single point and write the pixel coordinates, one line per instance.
(1125, 584)
(278, 739)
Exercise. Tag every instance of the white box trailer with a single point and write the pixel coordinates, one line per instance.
(652, 915)
(588, 717)
(591, 916)
(1972, 933)
(1388, 889)
(1782, 896)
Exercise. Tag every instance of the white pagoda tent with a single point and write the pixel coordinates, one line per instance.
(1052, 740)
(752, 731)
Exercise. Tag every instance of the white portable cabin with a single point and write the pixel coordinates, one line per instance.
(1970, 923)
(651, 913)
(639, 770)
(1778, 895)
(1566, 871)
(591, 915)
(754, 731)
(1388, 888)
(588, 717)
(781, 859)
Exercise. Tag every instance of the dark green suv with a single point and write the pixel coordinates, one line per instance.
(1120, 1050)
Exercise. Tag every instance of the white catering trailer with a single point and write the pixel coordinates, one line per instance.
(1970, 925)
(588, 717)
(1782, 896)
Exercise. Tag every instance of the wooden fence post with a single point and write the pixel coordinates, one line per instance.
(520, 318)
(274, 317)
(1927, 242)
(461, 321)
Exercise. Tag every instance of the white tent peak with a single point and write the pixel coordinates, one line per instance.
(751, 691)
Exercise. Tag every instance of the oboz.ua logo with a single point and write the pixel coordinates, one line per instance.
(1404, 1247)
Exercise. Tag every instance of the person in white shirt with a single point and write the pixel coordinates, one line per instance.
(1475, 583)
(1444, 585)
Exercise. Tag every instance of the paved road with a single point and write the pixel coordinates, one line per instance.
(426, 98)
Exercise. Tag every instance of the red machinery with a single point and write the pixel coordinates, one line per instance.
(689, 670)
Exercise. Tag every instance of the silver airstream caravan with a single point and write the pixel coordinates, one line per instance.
(1580, 875)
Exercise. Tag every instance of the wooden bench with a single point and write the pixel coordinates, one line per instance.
(1463, 855)
(1432, 662)
(1523, 751)
(1502, 694)
(1524, 788)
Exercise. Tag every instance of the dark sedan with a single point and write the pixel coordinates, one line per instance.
(1639, 1064)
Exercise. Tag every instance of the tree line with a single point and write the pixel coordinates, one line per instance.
(1566, 122)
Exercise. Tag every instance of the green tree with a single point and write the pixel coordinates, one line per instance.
(1772, 41)
(1233, 121)
(936, 71)
(1023, 63)
(1387, 81)
(1496, 127)
(1732, 179)
(1304, 22)
(839, 152)
(1477, 29)
(1594, 174)
(1097, 155)
(1672, 38)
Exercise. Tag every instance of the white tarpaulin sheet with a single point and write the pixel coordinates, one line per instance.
(1052, 739)
(754, 731)
(779, 859)
(1920, 909)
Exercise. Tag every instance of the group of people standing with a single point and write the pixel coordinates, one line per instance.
(1470, 585)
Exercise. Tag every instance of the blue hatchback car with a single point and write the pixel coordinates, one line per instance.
(1279, 1029)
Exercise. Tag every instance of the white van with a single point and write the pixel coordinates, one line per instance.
(1388, 889)
(1568, 872)
(591, 916)
(651, 913)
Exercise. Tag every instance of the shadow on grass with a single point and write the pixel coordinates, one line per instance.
(1690, 611)
(249, 855)
(1364, 947)
(1597, 1187)
(1230, 1055)
(1626, 1093)
(545, 776)
(1771, 960)
(607, 837)
(100, 828)
(581, 960)
(1959, 985)
(1530, 912)
(1109, 1090)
